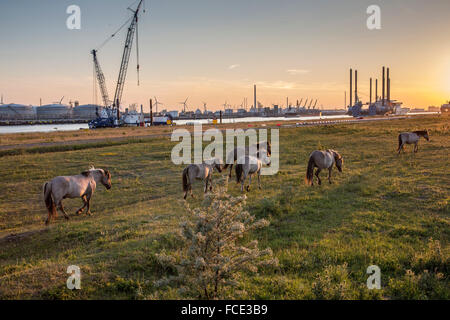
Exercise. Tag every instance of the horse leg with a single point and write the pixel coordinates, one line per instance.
(190, 190)
(259, 180)
(416, 147)
(80, 211)
(231, 168)
(88, 198)
(61, 208)
(249, 182)
(243, 182)
(317, 175)
(210, 183)
(329, 174)
(206, 184)
(401, 148)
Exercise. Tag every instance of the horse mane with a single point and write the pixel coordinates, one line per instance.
(421, 132)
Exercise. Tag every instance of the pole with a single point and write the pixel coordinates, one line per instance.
(376, 90)
(151, 112)
(383, 84)
(351, 84)
(370, 99)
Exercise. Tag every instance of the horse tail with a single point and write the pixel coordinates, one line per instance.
(49, 203)
(185, 179)
(310, 171)
(239, 170)
(399, 141)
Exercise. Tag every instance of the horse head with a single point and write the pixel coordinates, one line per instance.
(264, 156)
(218, 165)
(425, 135)
(339, 160)
(106, 179)
(265, 146)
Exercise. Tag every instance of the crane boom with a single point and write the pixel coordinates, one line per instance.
(101, 80)
(305, 103)
(310, 104)
(125, 59)
(315, 103)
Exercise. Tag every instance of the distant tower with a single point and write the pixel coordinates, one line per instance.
(254, 96)
(1, 102)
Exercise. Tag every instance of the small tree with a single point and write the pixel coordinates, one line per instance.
(213, 257)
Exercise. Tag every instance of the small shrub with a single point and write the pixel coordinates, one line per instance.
(213, 258)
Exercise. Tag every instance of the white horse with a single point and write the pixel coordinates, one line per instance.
(201, 171)
(241, 151)
(249, 165)
(82, 185)
(411, 138)
(323, 160)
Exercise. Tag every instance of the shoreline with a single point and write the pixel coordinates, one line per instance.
(145, 134)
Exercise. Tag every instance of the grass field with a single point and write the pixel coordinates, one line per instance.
(384, 209)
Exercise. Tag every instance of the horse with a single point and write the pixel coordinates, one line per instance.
(201, 171)
(237, 151)
(82, 185)
(322, 160)
(410, 138)
(249, 165)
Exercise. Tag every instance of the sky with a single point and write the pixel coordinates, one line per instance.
(215, 51)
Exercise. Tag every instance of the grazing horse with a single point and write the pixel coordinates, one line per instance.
(201, 171)
(249, 165)
(410, 138)
(82, 185)
(322, 160)
(238, 151)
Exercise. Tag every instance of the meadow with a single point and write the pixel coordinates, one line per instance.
(383, 209)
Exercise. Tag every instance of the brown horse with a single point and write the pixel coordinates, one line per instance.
(82, 185)
(201, 171)
(411, 138)
(239, 152)
(323, 160)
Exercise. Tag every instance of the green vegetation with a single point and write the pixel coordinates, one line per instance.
(384, 209)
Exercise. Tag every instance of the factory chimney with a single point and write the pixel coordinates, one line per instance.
(370, 98)
(356, 86)
(388, 87)
(383, 87)
(376, 90)
(351, 83)
(254, 97)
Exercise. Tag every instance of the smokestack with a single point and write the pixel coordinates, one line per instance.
(370, 99)
(356, 86)
(376, 90)
(383, 87)
(254, 96)
(351, 91)
(388, 86)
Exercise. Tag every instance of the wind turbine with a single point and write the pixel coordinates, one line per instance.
(184, 104)
(157, 103)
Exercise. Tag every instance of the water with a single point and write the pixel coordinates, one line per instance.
(259, 119)
(78, 126)
(43, 128)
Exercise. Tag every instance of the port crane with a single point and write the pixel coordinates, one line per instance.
(114, 115)
(101, 80)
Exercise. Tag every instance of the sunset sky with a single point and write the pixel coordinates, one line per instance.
(214, 51)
